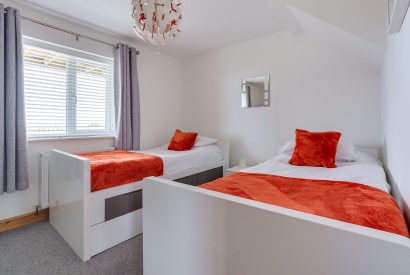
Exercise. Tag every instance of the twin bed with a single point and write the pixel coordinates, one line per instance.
(277, 218)
(96, 197)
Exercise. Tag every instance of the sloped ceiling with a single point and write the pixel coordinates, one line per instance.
(213, 24)
(366, 19)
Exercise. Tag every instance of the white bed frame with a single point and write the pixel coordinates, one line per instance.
(78, 214)
(190, 230)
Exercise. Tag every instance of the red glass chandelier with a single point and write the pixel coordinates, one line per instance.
(156, 21)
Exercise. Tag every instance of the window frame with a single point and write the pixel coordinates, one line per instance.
(71, 131)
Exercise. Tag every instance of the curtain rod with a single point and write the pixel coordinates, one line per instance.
(77, 35)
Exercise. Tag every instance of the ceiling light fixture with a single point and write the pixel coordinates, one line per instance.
(156, 20)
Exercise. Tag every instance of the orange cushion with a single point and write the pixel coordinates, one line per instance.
(182, 141)
(315, 149)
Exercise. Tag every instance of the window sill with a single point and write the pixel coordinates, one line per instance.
(69, 138)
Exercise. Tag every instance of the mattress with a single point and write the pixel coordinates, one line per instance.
(367, 170)
(179, 161)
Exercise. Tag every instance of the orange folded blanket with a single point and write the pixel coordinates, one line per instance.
(114, 168)
(344, 201)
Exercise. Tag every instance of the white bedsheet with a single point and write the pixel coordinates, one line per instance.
(366, 170)
(178, 161)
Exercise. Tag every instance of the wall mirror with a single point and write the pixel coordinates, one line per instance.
(256, 91)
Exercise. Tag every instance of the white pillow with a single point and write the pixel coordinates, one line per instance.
(288, 148)
(203, 141)
(345, 150)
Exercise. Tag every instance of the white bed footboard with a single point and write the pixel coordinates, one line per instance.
(189, 230)
(69, 177)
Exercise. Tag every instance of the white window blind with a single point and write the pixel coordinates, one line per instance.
(67, 94)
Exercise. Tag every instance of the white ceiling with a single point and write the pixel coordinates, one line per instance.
(212, 24)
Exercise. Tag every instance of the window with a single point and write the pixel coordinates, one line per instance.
(67, 93)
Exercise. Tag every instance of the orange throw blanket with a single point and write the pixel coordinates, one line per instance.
(344, 201)
(113, 168)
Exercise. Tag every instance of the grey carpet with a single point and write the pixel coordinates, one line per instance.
(39, 249)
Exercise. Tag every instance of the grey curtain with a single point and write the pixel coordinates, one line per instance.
(127, 101)
(13, 141)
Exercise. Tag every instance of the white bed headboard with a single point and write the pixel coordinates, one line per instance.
(224, 145)
(371, 151)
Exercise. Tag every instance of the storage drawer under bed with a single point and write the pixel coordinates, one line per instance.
(126, 203)
(122, 204)
(202, 177)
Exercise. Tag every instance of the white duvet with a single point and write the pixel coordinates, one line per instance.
(366, 170)
(178, 161)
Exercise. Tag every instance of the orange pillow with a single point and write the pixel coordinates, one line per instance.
(315, 149)
(182, 141)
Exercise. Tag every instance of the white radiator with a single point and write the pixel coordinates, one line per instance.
(43, 200)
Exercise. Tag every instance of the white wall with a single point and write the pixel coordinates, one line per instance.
(323, 79)
(396, 112)
(160, 94)
(314, 85)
